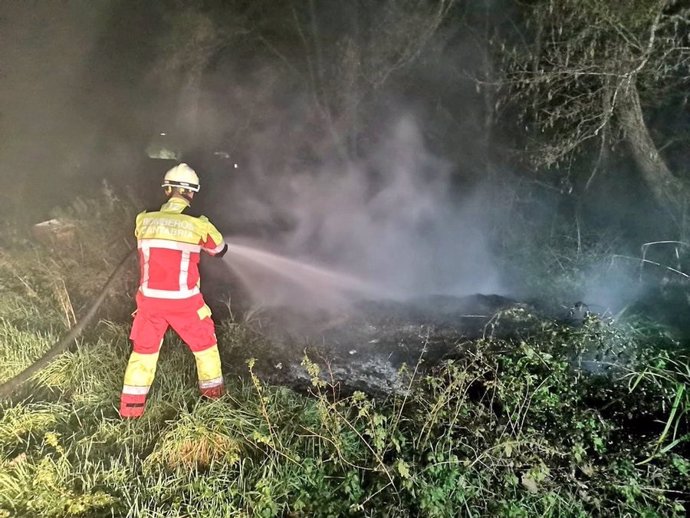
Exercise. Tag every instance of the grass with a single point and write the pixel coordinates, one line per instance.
(516, 427)
(507, 434)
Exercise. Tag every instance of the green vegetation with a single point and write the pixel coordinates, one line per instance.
(507, 428)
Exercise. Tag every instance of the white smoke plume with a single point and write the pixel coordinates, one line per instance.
(391, 218)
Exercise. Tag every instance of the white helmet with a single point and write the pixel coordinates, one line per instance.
(181, 176)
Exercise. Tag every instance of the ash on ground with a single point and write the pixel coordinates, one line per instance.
(375, 345)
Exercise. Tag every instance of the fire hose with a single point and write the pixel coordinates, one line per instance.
(8, 388)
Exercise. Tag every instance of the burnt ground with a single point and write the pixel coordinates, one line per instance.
(377, 346)
(365, 347)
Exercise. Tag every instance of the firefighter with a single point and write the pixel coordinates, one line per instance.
(169, 243)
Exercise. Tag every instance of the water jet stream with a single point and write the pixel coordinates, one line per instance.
(272, 278)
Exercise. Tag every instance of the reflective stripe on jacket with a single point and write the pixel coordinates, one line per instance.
(170, 243)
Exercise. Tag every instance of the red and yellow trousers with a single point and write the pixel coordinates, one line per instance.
(191, 320)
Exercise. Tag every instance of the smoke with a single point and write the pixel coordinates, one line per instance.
(392, 217)
(612, 286)
(384, 209)
(353, 179)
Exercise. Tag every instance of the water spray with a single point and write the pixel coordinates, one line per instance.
(327, 286)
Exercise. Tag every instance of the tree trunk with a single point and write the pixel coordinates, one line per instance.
(670, 192)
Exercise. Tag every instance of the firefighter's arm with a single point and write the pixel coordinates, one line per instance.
(213, 243)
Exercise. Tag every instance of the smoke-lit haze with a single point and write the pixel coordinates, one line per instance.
(376, 176)
(390, 218)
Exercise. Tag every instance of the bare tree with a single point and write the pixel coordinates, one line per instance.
(194, 35)
(584, 72)
(384, 37)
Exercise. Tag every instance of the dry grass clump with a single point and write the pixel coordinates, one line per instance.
(194, 444)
